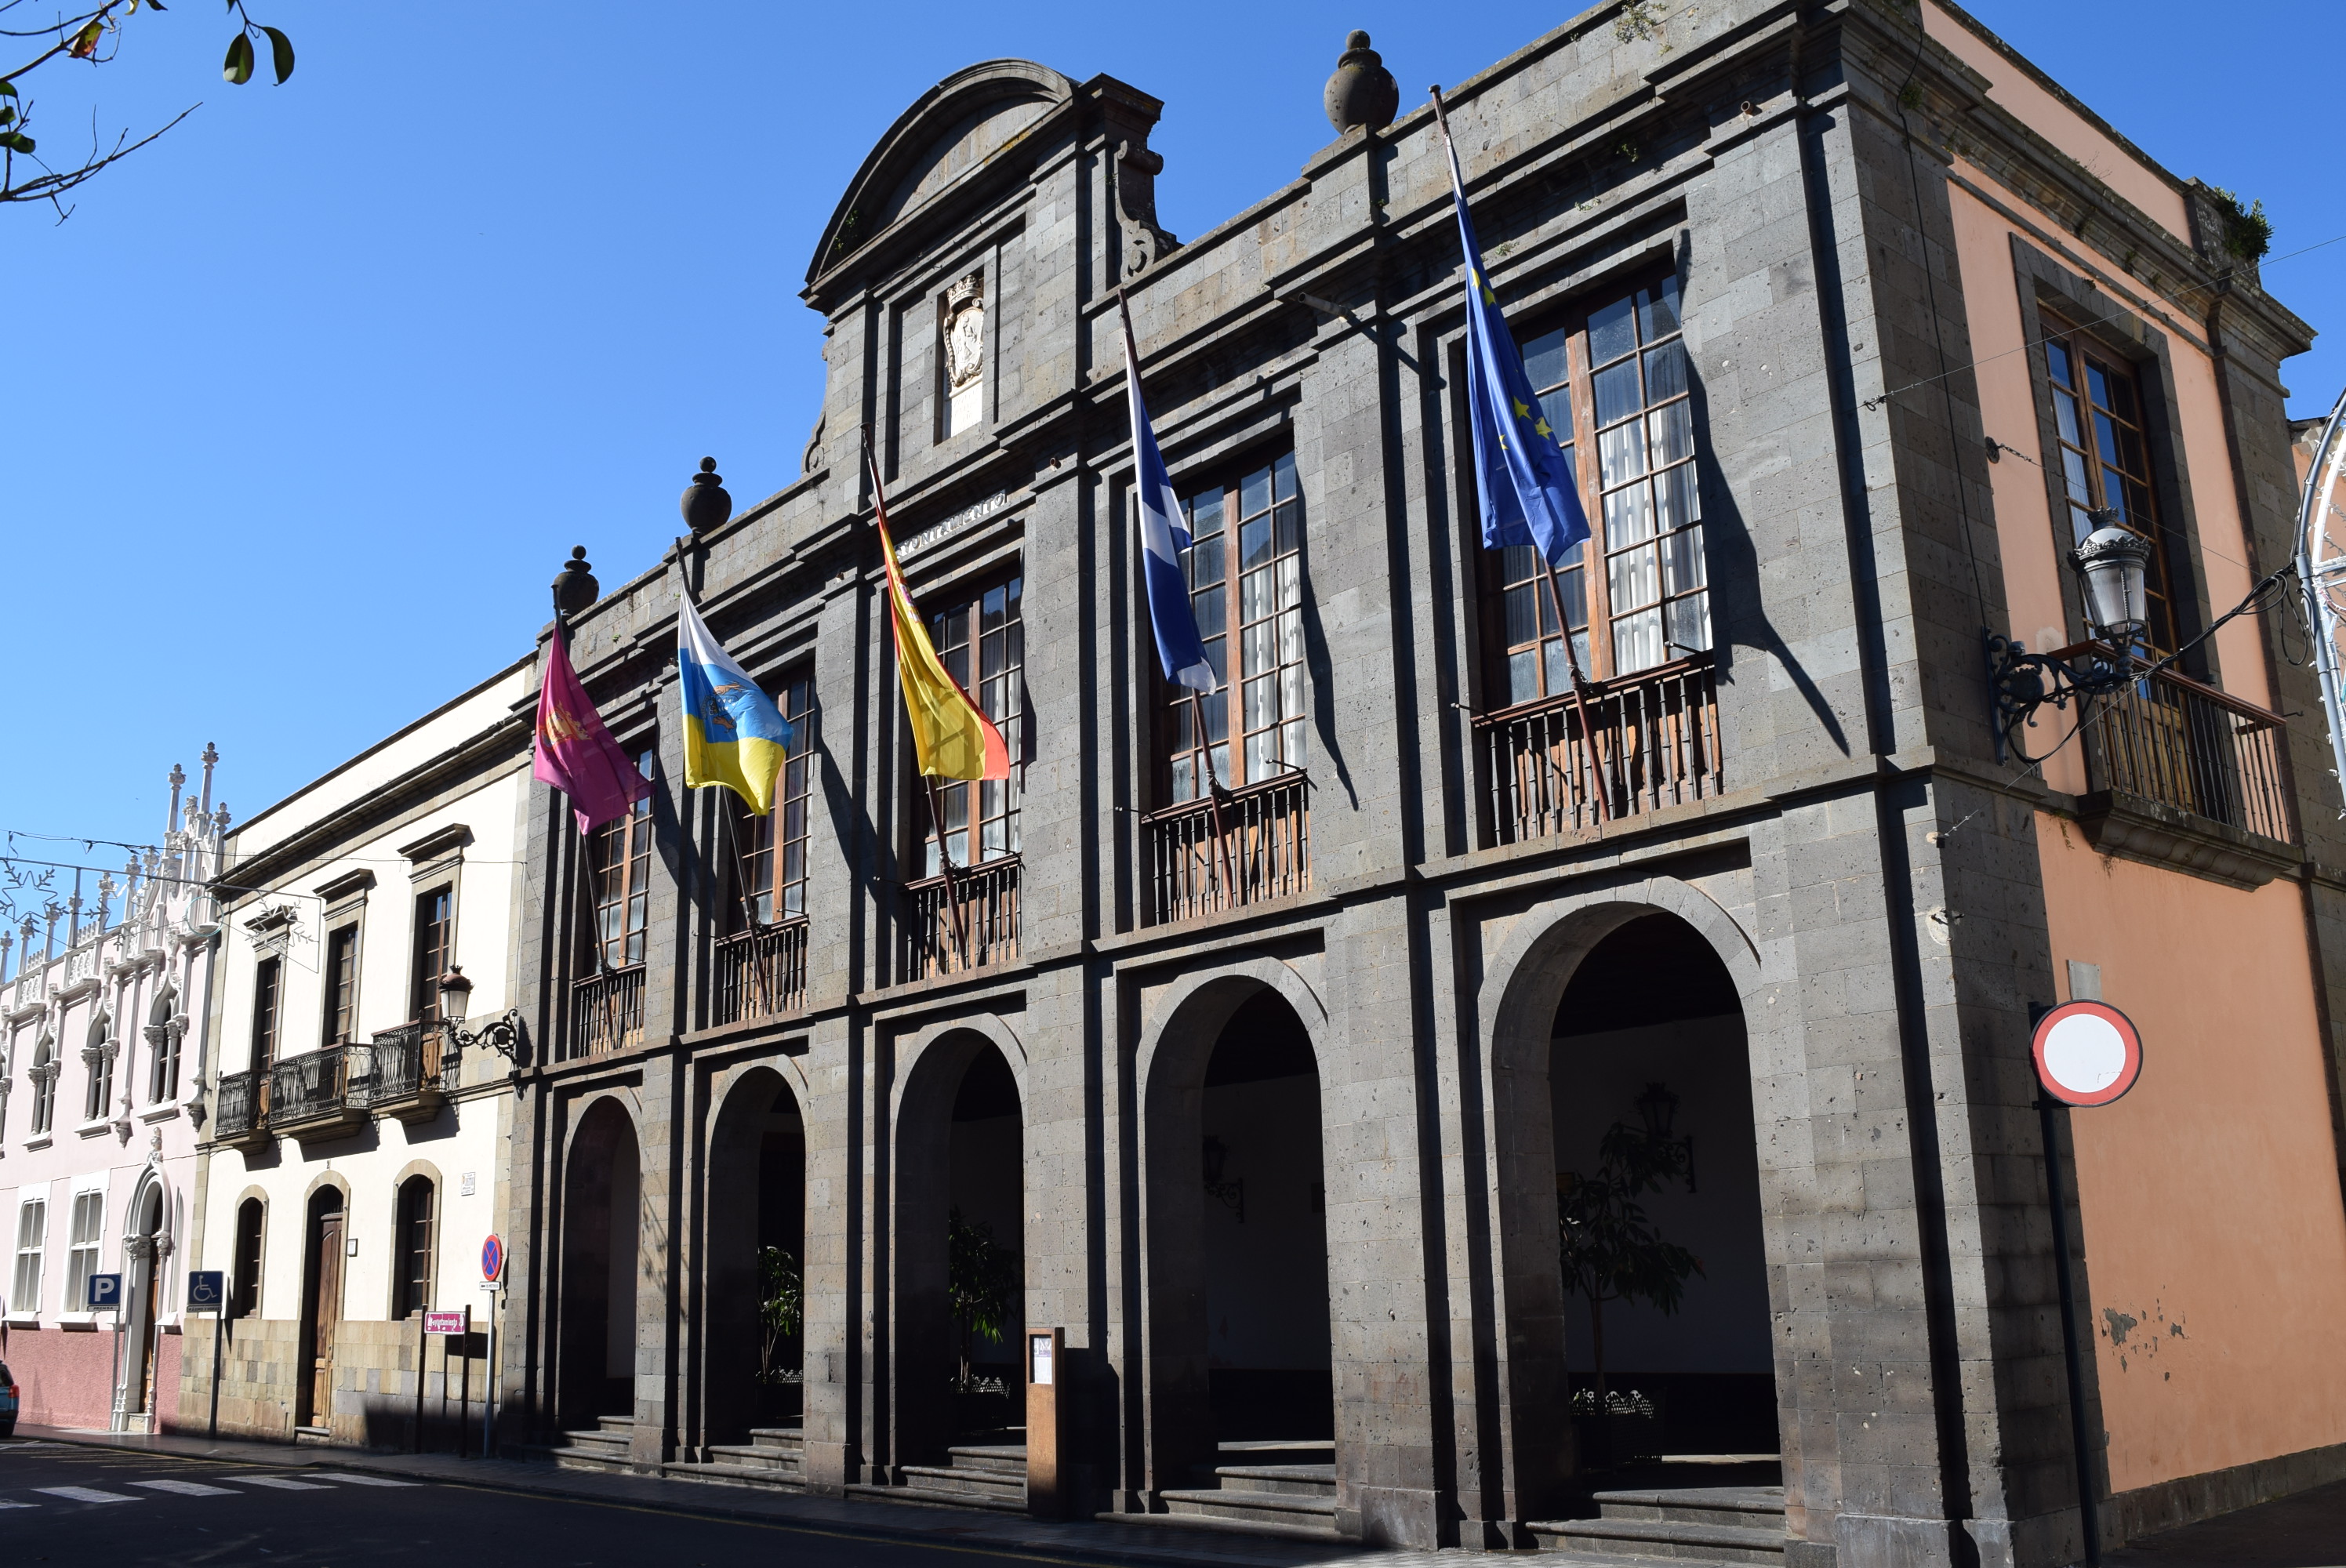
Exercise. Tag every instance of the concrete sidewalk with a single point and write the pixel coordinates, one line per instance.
(2308, 1531)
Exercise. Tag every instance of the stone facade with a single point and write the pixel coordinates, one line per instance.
(1869, 875)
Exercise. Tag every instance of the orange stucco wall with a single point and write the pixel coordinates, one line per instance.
(2214, 1232)
(2215, 1238)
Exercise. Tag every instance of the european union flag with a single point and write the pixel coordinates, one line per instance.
(1529, 496)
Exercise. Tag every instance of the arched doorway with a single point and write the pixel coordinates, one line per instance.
(145, 1233)
(1649, 1067)
(756, 1253)
(1239, 1342)
(322, 1309)
(601, 1203)
(961, 1250)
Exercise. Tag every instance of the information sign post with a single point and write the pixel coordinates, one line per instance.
(2087, 1054)
(207, 1292)
(1044, 1359)
(104, 1294)
(493, 1271)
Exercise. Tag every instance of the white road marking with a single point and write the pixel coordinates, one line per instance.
(362, 1479)
(87, 1494)
(277, 1482)
(12, 1503)
(188, 1488)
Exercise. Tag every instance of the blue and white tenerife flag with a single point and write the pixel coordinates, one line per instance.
(1529, 496)
(1163, 536)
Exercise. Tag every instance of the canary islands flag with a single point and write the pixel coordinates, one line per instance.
(733, 733)
(1529, 496)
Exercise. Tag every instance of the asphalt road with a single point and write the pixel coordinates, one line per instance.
(95, 1508)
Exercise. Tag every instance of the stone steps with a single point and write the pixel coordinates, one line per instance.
(1686, 1524)
(991, 1476)
(1293, 1500)
(774, 1457)
(601, 1447)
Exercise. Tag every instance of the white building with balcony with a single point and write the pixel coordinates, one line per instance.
(352, 1169)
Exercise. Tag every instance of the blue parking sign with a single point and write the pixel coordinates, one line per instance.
(105, 1293)
(207, 1288)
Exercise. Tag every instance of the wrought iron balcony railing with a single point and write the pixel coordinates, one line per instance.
(606, 1012)
(761, 973)
(962, 921)
(2174, 740)
(1252, 843)
(242, 1107)
(309, 1094)
(1618, 749)
(402, 1074)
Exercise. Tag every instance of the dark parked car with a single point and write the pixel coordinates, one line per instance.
(7, 1402)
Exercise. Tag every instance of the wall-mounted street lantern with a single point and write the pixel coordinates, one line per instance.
(1658, 1108)
(501, 1034)
(1232, 1191)
(2115, 566)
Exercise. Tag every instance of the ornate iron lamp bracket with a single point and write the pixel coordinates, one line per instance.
(2022, 682)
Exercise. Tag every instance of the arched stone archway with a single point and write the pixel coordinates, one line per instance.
(956, 1078)
(602, 1198)
(756, 1201)
(1192, 1269)
(1525, 985)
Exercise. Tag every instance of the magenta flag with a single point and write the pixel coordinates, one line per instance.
(576, 752)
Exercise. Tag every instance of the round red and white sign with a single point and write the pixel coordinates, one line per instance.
(2087, 1053)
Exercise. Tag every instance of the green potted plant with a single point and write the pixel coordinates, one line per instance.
(983, 1285)
(1611, 1251)
(781, 1295)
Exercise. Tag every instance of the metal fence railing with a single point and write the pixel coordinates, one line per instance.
(305, 1087)
(2169, 738)
(242, 1105)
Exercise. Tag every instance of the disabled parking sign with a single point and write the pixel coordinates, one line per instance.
(207, 1288)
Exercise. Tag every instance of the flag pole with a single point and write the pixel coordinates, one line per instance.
(585, 900)
(1197, 702)
(944, 858)
(1547, 567)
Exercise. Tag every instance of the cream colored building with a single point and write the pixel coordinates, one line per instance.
(350, 1172)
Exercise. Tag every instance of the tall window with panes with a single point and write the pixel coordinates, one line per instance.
(416, 1231)
(1245, 569)
(2097, 415)
(88, 1233)
(620, 867)
(982, 644)
(770, 881)
(267, 977)
(436, 947)
(1613, 384)
(32, 1236)
(342, 983)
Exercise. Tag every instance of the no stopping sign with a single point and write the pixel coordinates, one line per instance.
(2087, 1053)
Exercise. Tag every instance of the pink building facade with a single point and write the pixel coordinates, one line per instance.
(103, 1063)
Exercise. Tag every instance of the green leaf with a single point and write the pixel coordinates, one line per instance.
(7, 115)
(281, 50)
(8, 87)
(237, 67)
(16, 141)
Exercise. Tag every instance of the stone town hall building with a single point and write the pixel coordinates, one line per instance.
(1855, 329)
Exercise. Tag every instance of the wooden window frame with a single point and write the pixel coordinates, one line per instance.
(628, 840)
(1665, 561)
(341, 979)
(84, 1255)
(1216, 569)
(2078, 370)
(762, 892)
(432, 948)
(25, 1296)
(45, 1085)
(1002, 697)
(245, 1263)
(415, 1245)
(268, 1012)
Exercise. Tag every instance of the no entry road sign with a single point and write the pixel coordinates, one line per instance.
(2088, 1054)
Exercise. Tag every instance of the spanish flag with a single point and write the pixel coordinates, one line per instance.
(952, 738)
(733, 733)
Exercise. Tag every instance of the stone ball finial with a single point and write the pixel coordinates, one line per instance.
(705, 505)
(1361, 92)
(574, 587)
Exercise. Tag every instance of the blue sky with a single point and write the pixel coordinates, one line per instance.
(308, 401)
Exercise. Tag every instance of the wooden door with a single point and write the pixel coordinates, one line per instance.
(142, 1396)
(326, 1317)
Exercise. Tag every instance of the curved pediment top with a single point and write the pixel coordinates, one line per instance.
(952, 128)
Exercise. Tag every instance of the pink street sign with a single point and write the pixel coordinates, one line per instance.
(458, 1323)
